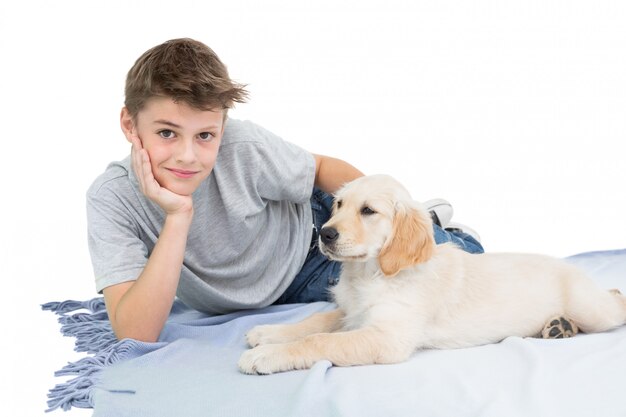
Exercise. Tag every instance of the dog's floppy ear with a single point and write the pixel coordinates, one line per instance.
(411, 241)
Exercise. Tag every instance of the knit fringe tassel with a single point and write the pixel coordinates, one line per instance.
(64, 307)
(93, 335)
(78, 392)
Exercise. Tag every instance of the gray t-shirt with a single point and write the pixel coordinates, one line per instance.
(250, 233)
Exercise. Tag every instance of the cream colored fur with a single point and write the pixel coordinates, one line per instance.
(399, 292)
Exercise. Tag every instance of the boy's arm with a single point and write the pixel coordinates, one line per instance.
(332, 173)
(139, 309)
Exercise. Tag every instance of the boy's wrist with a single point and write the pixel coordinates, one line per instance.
(182, 217)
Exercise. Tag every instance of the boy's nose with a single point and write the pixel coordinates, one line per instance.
(185, 151)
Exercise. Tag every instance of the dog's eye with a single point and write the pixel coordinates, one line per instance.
(339, 204)
(367, 211)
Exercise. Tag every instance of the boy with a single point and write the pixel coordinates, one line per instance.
(215, 211)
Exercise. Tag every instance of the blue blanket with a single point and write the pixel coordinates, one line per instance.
(192, 370)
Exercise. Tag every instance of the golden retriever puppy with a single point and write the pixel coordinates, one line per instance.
(399, 291)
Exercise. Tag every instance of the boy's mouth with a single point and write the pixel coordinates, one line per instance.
(182, 173)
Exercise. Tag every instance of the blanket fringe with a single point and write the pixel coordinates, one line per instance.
(64, 307)
(78, 392)
(93, 335)
(92, 330)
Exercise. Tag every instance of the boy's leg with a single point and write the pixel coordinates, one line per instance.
(318, 274)
(457, 236)
(314, 281)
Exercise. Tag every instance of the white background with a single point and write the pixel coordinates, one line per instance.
(513, 111)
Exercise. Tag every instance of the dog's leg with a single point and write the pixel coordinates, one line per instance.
(282, 333)
(560, 327)
(596, 310)
(357, 347)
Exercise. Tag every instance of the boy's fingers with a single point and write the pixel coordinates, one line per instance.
(145, 162)
(143, 168)
(136, 141)
(147, 176)
(137, 161)
(135, 145)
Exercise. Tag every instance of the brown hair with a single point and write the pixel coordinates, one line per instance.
(185, 70)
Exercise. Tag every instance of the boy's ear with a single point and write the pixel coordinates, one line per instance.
(127, 124)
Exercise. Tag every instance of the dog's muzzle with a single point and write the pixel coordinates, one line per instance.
(328, 239)
(329, 236)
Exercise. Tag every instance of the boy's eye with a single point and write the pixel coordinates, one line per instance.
(166, 134)
(206, 135)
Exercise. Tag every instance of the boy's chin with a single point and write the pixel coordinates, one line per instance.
(182, 189)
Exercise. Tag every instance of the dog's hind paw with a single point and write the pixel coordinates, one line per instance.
(559, 328)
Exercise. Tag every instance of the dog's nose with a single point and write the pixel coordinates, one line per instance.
(329, 235)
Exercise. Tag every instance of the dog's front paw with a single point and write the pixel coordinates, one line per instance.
(266, 334)
(559, 328)
(268, 359)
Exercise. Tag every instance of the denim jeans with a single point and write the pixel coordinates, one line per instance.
(319, 274)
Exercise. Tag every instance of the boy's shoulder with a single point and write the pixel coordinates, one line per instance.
(245, 131)
(116, 175)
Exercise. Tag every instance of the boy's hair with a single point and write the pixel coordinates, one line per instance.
(185, 70)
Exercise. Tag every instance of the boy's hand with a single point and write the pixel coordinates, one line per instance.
(170, 202)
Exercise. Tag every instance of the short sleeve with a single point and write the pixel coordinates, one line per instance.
(279, 170)
(117, 252)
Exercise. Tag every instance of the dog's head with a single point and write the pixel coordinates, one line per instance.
(375, 217)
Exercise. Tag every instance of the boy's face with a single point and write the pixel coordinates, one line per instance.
(182, 142)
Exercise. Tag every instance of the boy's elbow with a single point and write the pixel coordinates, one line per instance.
(136, 336)
(140, 335)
